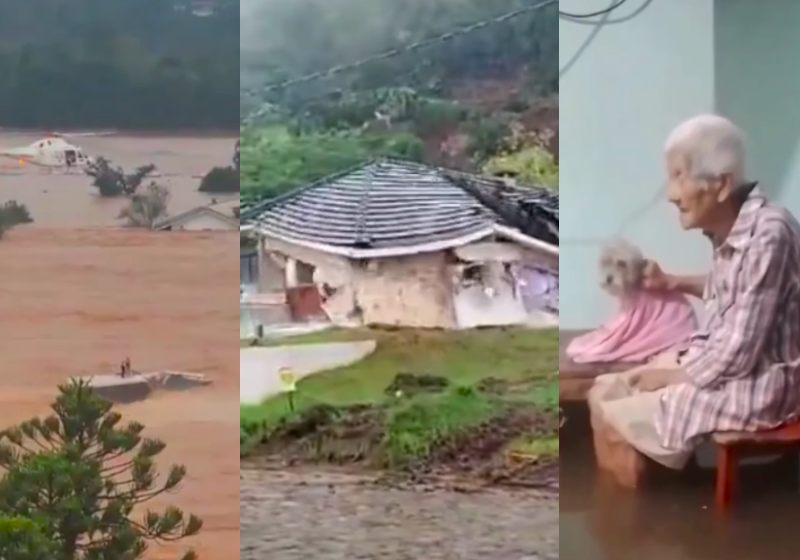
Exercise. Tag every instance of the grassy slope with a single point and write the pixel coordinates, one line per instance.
(464, 357)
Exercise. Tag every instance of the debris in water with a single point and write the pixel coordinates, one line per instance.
(129, 386)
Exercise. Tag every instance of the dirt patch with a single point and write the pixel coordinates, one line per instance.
(354, 436)
(490, 95)
(482, 453)
(326, 434)
(493, 386)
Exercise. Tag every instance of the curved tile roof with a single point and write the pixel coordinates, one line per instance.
(391, 204)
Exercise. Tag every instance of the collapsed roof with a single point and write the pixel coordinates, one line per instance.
(396, 207)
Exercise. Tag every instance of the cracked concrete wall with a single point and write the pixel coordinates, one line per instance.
(412, 291)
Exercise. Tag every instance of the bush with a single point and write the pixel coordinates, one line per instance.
(487, 137)
(112, 181)
(13, 213)
(146, 209)
(532, 165)
(220, 180)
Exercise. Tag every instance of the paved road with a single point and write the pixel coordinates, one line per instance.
(259, 367)
(301, 515)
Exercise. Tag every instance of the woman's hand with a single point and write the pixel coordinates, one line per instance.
(655, 279)
(656, 379)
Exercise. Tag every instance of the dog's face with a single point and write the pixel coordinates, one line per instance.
(621, 268)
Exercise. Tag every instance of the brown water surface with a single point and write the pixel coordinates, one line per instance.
(57, 199)
(77, 302)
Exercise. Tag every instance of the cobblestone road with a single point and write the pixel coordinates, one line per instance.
(317, 515)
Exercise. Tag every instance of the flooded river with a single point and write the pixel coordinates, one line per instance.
(326, 516)
(674, 520)
(68, 200)
(78, 301)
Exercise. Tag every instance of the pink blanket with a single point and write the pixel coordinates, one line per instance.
(646, 324)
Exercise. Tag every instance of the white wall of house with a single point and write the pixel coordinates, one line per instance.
(271, 277)
(475, 308)
(629, 85)
(412, 291)
(758, 86)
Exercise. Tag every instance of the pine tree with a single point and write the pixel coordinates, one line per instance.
(80, 475)
(23, 539)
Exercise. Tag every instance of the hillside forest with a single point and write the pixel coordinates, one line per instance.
(128, 64)
(483, 101)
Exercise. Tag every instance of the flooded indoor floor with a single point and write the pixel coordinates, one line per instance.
(675, 519)
(58, 199)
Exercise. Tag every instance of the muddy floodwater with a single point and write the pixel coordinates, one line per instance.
(60, 199)
(323, 515)
(78, 301)
(674, 520)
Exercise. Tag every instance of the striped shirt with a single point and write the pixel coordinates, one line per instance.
(744, 365)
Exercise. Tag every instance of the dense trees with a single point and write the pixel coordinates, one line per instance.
(282, 39)
(475, 102)
(275, 160)
(118, 63)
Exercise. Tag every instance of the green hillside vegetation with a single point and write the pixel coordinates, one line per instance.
(115, 63)
(461, 103)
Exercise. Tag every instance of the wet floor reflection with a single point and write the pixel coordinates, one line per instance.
(674, 518)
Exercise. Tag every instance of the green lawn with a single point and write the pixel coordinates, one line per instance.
(414, 426)
(463, 357)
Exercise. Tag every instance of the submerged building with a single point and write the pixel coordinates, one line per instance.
(405, 244)
(212, 217)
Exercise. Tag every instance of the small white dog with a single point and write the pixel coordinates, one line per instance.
(621, 269)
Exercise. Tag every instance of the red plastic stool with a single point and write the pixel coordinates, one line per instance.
(734, 446)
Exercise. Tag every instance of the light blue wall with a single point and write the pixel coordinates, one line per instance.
(632, 84)
(758, 86)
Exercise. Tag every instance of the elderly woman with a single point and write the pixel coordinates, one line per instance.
(741, 372)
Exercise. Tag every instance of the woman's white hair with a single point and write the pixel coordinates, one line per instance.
(711, 145)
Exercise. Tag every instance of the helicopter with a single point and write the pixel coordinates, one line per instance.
(51, 152)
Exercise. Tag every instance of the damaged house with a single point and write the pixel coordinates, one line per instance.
(405, 244)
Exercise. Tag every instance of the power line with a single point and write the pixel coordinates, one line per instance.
(604, 22)
(597, 25)
(391, 53)
(608, 10)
